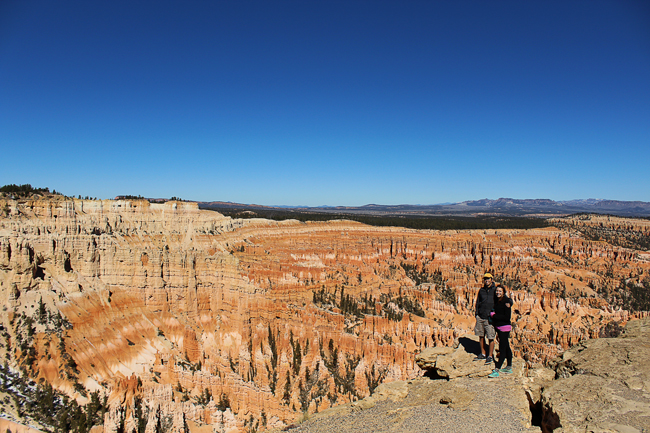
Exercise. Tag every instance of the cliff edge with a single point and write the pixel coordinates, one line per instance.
(597, 386)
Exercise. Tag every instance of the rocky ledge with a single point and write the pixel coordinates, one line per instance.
(602, 385)
(599, 385)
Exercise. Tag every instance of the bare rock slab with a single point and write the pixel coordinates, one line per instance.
(602, 385)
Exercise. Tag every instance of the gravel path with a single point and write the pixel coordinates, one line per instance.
(489, 410)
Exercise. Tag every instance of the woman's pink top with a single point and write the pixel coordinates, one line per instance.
(504, 328)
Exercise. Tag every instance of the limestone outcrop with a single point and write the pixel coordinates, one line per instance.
(241, 324)
(602, 385)
(452, 362)
(463, 400)
(596, 386)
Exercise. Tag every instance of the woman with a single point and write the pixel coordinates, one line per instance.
(501, 321)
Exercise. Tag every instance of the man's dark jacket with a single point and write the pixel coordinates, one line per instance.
(485, 301)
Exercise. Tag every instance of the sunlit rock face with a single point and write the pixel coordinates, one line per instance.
(273, 319)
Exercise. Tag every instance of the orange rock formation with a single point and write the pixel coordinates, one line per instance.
(166, 301)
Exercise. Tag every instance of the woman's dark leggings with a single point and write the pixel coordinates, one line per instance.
(505, 354)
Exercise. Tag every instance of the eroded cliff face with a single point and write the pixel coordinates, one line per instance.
(243, 324)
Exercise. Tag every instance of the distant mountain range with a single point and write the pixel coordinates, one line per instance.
(501, 206)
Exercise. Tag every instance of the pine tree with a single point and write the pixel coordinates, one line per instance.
(42, 312)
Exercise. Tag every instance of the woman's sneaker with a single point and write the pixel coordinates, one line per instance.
(495, 373)
(507, 370)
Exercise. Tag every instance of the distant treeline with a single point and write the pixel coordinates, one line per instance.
(407, 221)
(22, 190)
(150, 200)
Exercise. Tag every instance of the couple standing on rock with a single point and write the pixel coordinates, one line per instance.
(493, 309)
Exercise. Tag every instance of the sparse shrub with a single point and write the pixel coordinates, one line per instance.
(611, 330)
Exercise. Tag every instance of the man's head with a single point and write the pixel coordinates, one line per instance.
(487, 279)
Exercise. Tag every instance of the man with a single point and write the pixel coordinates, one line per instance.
(483, 328)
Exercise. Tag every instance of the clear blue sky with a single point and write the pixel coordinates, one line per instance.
(327, 102)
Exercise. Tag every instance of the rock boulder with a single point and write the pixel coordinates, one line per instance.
(453, 362)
